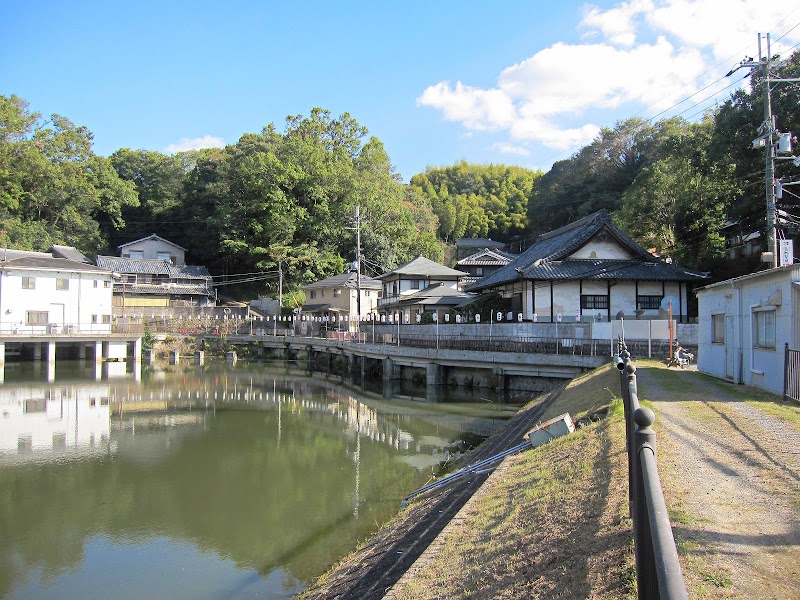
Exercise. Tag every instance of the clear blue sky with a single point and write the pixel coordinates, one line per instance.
(518, 82)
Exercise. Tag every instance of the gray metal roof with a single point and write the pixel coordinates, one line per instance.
(546, 258)
(12, 254)
(48, 263)
(437, 294)
(347, 280)
(424, 267)
(172, 289)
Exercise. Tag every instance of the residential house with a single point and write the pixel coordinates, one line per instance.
(483, 263)
(418, 286)
(333, 302)
(42, 294)
(152, 273)
(592, 270)
(745, 323)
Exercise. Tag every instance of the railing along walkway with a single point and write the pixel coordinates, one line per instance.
(658, 572)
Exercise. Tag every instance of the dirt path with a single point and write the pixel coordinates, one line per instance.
(731, 474)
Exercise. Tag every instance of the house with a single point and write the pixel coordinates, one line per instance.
(592, 270)
(745, 323)
(154, 247)
(329, 300)
(152, 272)
(483, 263)
(42, 294)
(418, 286)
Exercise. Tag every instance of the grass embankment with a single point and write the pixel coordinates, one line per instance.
(550, 523)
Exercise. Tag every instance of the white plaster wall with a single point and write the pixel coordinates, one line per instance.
(151, 248)
(80, 301)
(606, 249)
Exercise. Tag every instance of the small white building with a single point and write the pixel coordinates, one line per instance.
(42, 294)
(745, 324)
(156, 248)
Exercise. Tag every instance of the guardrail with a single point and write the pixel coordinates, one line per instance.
(658, 572)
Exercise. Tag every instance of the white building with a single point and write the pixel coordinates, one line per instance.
(591, 270)
(42, 294)
(745, 324)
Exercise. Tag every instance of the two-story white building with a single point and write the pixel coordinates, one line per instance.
(42, 294)
(419, 286)
(334, 302)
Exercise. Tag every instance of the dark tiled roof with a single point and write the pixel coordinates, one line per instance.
(347, 280)
(69, 253)
(543, 260)
(487, 257)
(478, 243)
(49, 263)
(151, 266)
(424, 267)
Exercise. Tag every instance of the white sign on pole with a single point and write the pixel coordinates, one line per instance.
(787, 252)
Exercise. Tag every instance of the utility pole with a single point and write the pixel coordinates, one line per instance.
(358, 262)
(769, 125)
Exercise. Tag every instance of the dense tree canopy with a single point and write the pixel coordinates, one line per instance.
(53, 188)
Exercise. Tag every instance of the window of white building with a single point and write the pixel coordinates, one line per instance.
(29, 283)
(764, 328)
(718, 328)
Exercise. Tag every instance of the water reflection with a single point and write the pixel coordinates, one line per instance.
(236, 482)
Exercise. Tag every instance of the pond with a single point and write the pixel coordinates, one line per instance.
(206, 482)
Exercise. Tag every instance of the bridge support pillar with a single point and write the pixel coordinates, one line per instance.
(51, 352)
(199, 357)
(435, 374)
(351, 366)
(2, 355)
(81, 351)
(388, 369)
(174, 357)
(330, 361)
(501, 380)
(310, 358)
(137, 351)
(37, 351)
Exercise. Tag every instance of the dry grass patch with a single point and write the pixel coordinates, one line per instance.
(551, 524)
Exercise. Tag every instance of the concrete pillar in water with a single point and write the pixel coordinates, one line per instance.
(98, 352)
(199, 357)
(435, 374)
(174, 357)
(330, 361)
(137, 351)
(310, 358)
(148, 356)
(351, 365)
(37, 351)
(231, 357)
(501, 380)
(388, 369)
(51, 352)
(2, 362)
(82, 351)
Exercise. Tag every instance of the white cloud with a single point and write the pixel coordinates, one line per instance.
(206, 141)
(505, 148)
(644, 56)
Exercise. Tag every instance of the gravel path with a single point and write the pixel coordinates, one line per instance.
(731, 474)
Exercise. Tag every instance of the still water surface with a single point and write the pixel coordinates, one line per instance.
(204, 482)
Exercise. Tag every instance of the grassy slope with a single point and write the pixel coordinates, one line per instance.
(551, 523)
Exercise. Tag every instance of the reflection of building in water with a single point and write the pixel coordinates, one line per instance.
(43, 421)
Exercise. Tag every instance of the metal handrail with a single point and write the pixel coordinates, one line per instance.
(658, 571)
